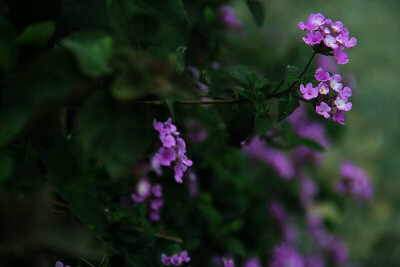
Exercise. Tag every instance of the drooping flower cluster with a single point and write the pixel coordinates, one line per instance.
(173, 151)
(330, 96)
(326, 36)
(355, 181)
(175, 259)
(145, 192)
(227, 16)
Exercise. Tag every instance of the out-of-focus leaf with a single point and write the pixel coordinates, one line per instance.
(287, 104)
(92, 51)
(170, 104)
(158, 26)
(8, 46)
(37, 34)
(235, 245)
(257, 8)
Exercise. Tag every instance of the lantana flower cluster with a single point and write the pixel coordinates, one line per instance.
(173, 151)
(326, 36)
(330, 96)
(355, 181)
(176, 259)
(151, 194)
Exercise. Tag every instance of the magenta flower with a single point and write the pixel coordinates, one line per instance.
(175, 259)
(341, 56)
(253, 262)
(172, 153)
(165, 259)
(309, 92)
(342, 104)
(313, 38)
(339, 117)
(143, 190)
(335, 82)
(321, 75)
(185, 256)
(157, 191)
(345, 92)
(60, 264)
(323, 88)
(286, 255)
(335, 38)
(324, 109)
(355, 181)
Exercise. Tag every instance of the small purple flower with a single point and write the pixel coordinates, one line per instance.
(324, 109)
(215, 65)
(60, 264)
(355, 181)
(143, 190)
(309, 92)
(321, 75)
(157, 190)
(323, 88)
(337, 26)
(342, 104)
(308, 189)
(330, 41)
(341, 56)
(165, 259)
(156, 204)
(327, 64)
(345, 92)
(176, 260)
(228, 262)
(285, 255)
(335, 82)
(185, 256)
(339, 117)
(313, 38)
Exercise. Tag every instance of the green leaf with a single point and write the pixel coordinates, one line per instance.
(37, 34)
(180, 57)
(311, 144)
(92, 51)
(242, 74)
(234, 245)
(287, 104)
(257, 8)
(261, 123)
(8, 46)
(157, 26)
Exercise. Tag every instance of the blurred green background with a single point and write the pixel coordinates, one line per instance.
(371, 137)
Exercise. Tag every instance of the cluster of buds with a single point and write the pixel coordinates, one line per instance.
(175, 259)
(145, 192)
(326, 37)
(331, 98)
(173, 151)
(227, 16)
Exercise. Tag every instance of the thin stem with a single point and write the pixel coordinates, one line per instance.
(201, 102)
(162, 236)
(87, 262)
(294, 83)
(281, 83)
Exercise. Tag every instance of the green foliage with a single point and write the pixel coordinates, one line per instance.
(37, 34)
(8, 49)
(287, 104)
(257, 8)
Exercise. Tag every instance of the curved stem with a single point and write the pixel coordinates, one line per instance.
(300, 76)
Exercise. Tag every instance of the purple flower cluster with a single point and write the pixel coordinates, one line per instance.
(330, 96)
(173, 151)
(175, 259)
(278, 161)
(286, 255)
(355, 181)
(228, 262)
(153, 194)
(326, 36)
(227, 16)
